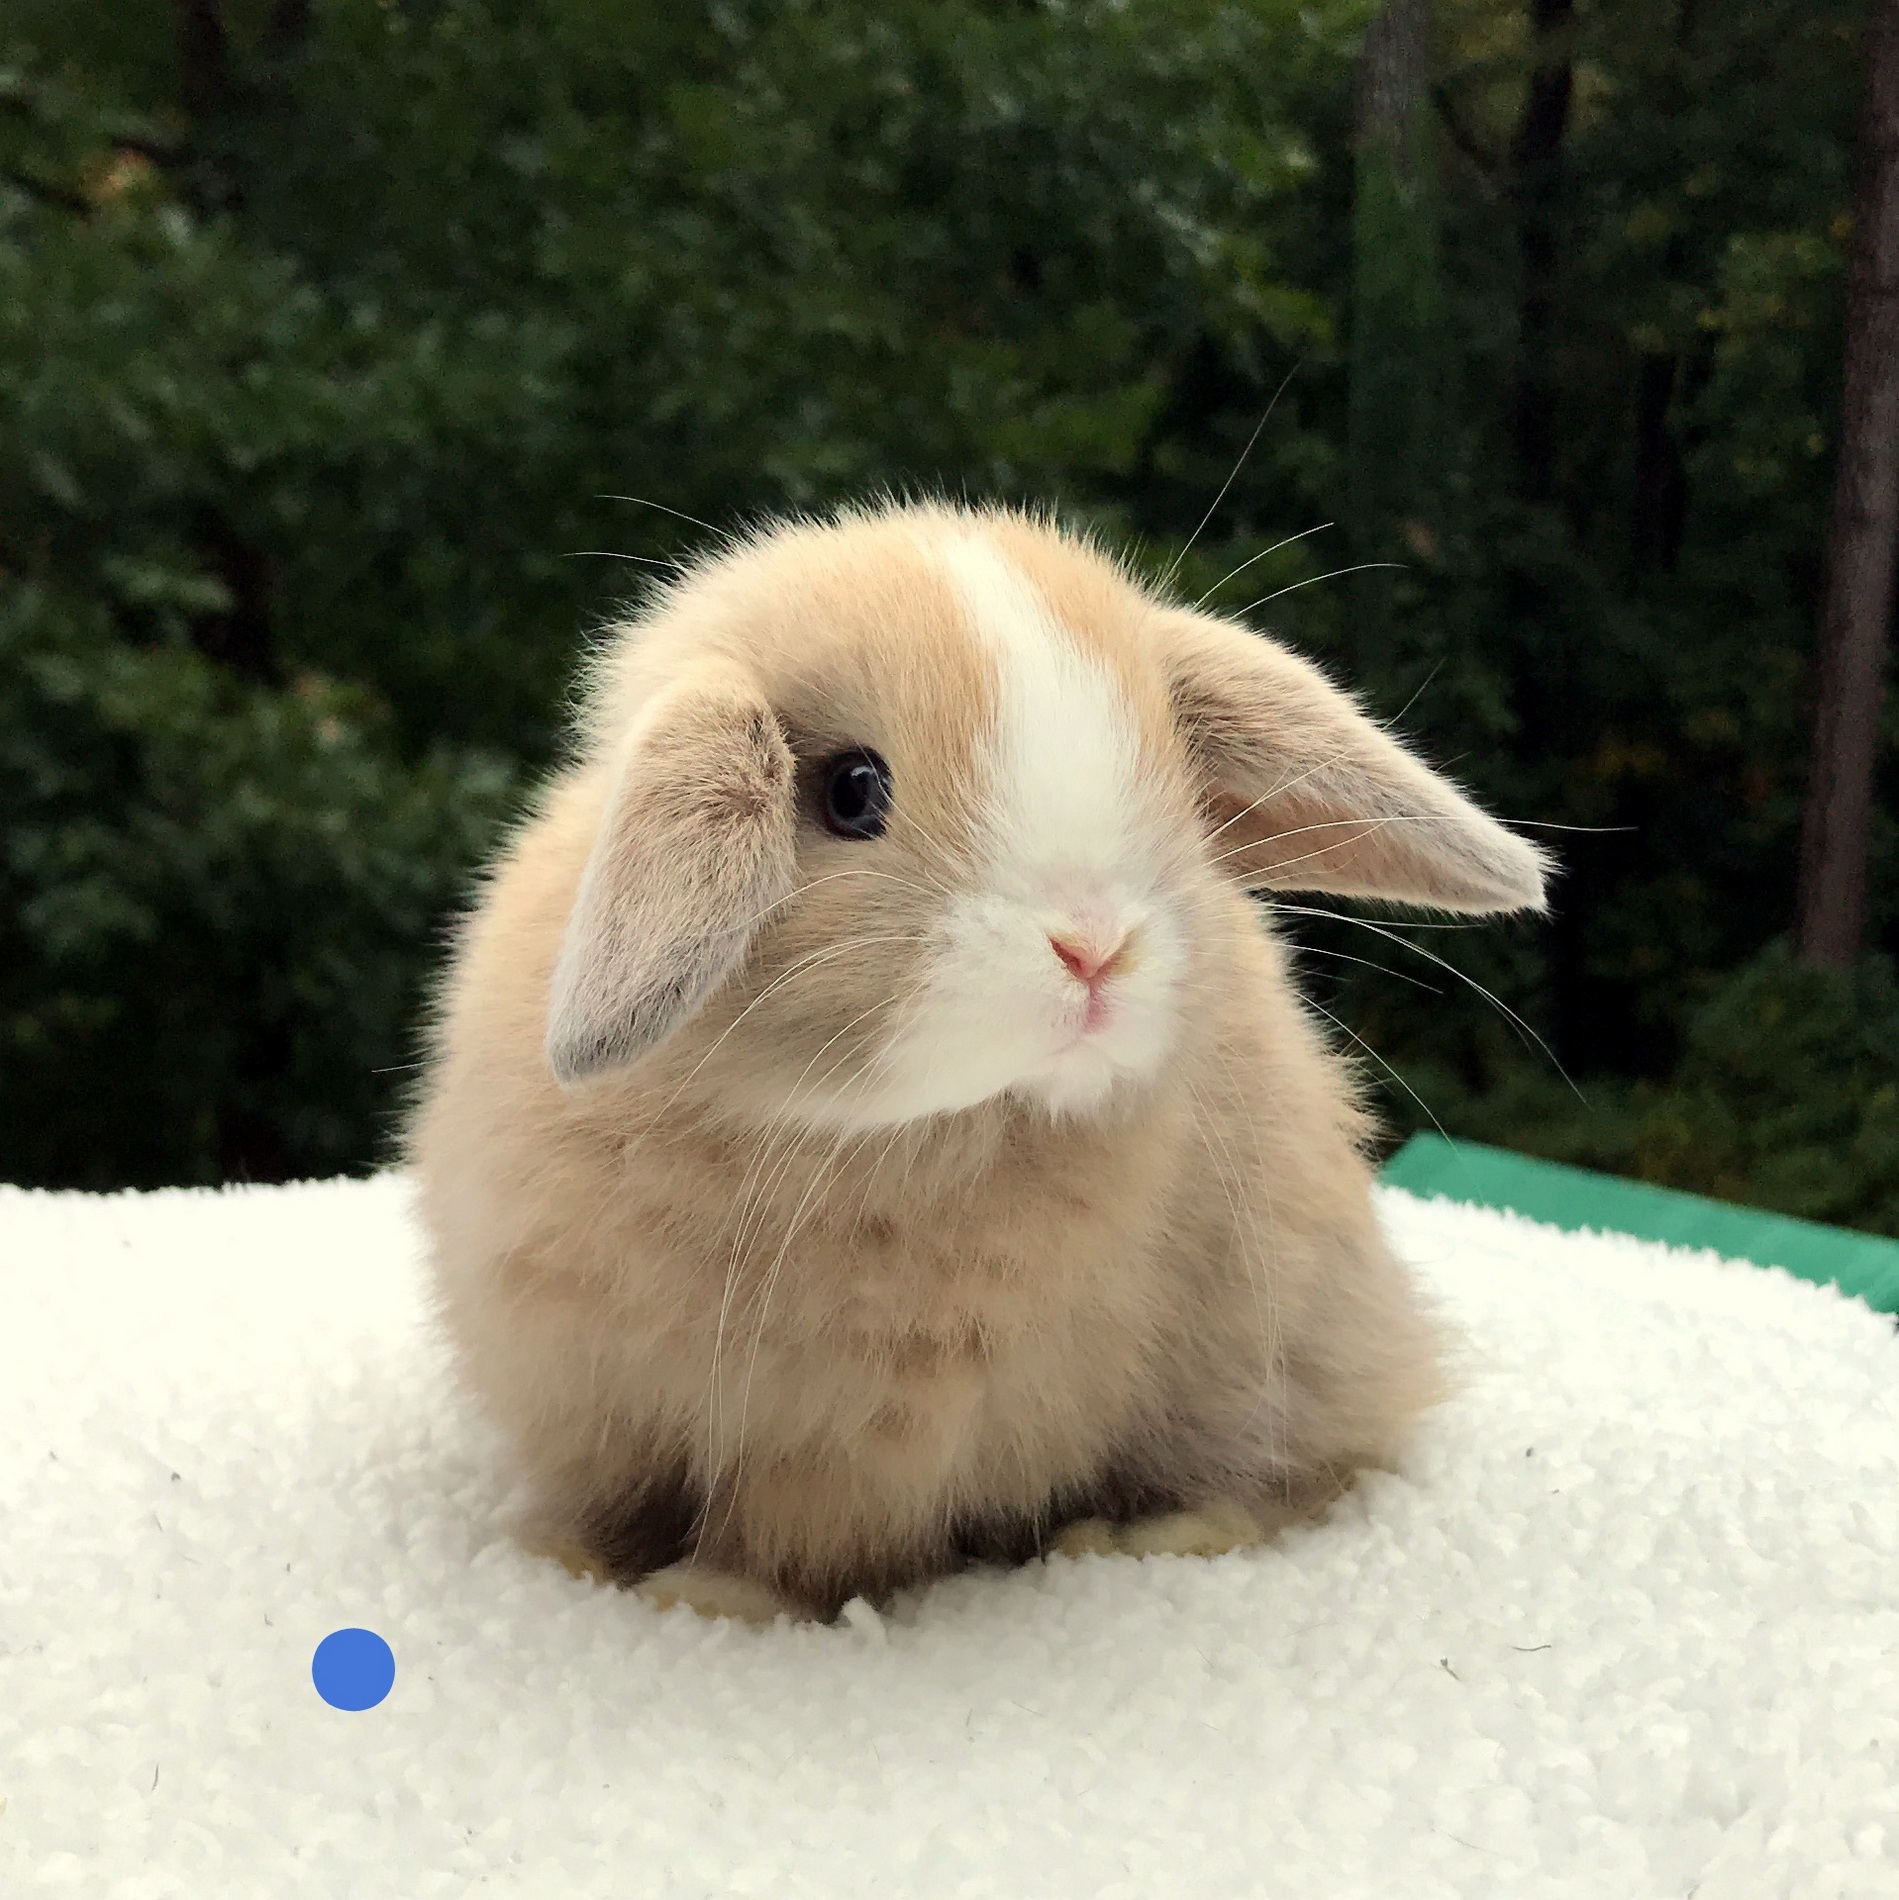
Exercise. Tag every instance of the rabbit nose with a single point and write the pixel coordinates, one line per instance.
(1087, 960)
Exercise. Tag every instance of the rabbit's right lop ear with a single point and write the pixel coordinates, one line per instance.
(1303, 793)
(696, 846)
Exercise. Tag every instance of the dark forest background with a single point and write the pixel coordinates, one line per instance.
(329, 329)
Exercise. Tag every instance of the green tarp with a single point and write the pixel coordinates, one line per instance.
(1861, 1264)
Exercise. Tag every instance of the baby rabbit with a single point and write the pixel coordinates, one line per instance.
(870, 1127)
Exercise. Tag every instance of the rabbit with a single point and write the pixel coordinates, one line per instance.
(870, 1127)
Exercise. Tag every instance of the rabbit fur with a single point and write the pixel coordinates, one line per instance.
(819, 1213)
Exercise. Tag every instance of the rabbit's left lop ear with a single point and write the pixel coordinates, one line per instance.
(1301, 792)
(696, 846)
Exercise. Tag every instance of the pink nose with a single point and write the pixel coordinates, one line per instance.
(1086, 962)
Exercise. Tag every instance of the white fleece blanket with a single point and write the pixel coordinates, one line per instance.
(1628, 1628)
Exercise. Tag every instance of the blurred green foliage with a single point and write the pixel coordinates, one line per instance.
(326, 340)
(1785, 1097)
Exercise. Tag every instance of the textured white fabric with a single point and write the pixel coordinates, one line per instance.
(1628, 1628)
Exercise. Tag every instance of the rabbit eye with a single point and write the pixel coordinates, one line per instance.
(854, 794)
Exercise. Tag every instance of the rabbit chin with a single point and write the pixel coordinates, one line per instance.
(956, 1059)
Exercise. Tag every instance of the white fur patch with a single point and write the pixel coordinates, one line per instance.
(1062, 796)
(1066, 843)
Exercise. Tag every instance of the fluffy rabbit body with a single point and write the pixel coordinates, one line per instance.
(870, 1124)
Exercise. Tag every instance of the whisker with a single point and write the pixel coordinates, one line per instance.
(780, 1138)
(1417, 983)
(821, 1175)
(803, 966)
(1358, 567)
(1340, 917)
(1382, 1063)
(1262, 1293)
(1174, 565)
(765, 1171)
(1387, 724)
(791, 896)
(1260, 556)
(1274, 1334)
(940, 855)
(774, 1159)
(1496, 1002)
(1543, 824)
(607, 554)
(811, 960)
(1366, 823)
(679, 514)
(1278, 789)
(1365, 827)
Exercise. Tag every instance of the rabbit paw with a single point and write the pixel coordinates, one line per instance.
(574, 1558)
(712, 1593)
(1210, 1531)
(1089, 1537)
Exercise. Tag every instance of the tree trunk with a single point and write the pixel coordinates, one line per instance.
(1836, 825)
(1536, 157)
(1394, 76)
(1395, 421)
(1661, 476)
(1395, 436)
(1660, 511)
(1547, 691)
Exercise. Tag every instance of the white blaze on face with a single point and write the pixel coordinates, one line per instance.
(1063, 836)
(1064, 755)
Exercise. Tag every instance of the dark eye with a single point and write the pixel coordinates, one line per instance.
(854, 794)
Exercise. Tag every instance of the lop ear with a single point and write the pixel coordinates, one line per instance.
(1303, 793)
(696, 845)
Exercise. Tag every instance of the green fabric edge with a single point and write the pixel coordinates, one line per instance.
(1863, 1265)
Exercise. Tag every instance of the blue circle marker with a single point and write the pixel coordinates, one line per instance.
(353, 1669)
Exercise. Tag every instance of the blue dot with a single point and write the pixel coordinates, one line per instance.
(353, 1669)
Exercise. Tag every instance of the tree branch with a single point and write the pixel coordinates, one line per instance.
(49, 193)
(159, 151)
